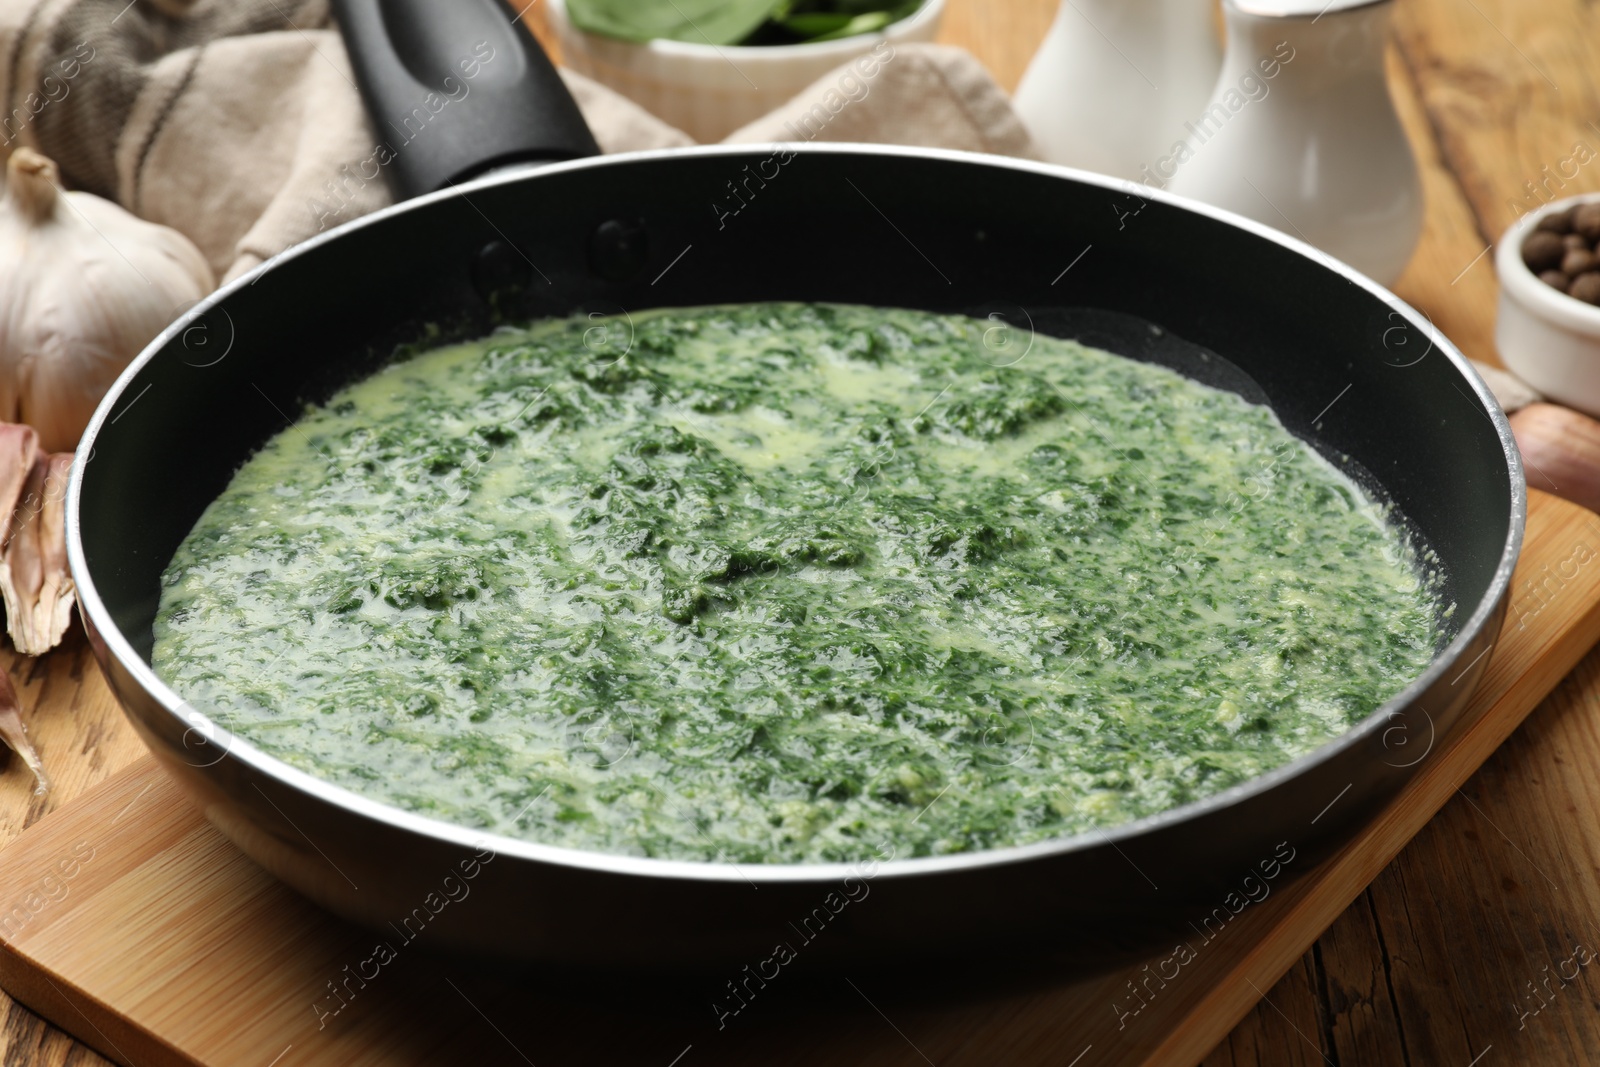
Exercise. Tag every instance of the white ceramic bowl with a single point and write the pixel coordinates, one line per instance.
(708, 91)
(1550, 339)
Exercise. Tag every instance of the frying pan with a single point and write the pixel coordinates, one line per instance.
(1345, 364)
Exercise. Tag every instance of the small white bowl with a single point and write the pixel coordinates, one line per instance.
(1548, 338)
(708, 91)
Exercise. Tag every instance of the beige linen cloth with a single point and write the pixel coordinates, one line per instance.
(227, 119)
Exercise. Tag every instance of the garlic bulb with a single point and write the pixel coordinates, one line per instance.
(84, 286)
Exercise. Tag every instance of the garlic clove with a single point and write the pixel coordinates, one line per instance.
(35, 581)
(84, 286)
(1513, 393)
(15, 734)
(1560, 451)
(19, 447)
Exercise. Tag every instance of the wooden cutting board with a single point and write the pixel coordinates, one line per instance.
(128, 921)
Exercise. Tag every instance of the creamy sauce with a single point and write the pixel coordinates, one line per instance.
(784, 582)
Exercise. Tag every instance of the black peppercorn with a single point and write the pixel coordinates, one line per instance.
(1586, 221)
(1578, 261)
(1560, 222)
(1543, 251)
(1586, 287)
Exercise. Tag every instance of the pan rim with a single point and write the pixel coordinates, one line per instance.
(258, 761)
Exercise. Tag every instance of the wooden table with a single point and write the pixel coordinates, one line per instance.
(1438, 960)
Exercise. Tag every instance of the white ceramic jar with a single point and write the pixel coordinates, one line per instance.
(1114, 81)
(708, 91)
(1316, 149)
(1549, 339)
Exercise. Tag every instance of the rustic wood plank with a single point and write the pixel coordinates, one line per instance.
(1510, 87)
(1449, 278)
(1284, 1029)
(1483, 908)
(83, 738)
(1424, 991)
(29, 1041)
(74, 722)
(1003, 42)
(1510, 93)
(1363, 1018)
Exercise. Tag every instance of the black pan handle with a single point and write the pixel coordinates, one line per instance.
(455, 88)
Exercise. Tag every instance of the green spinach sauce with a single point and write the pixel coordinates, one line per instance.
(785, 582)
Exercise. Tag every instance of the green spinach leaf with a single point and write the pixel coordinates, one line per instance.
(730, 22)
(716, 22)
(871, 22)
